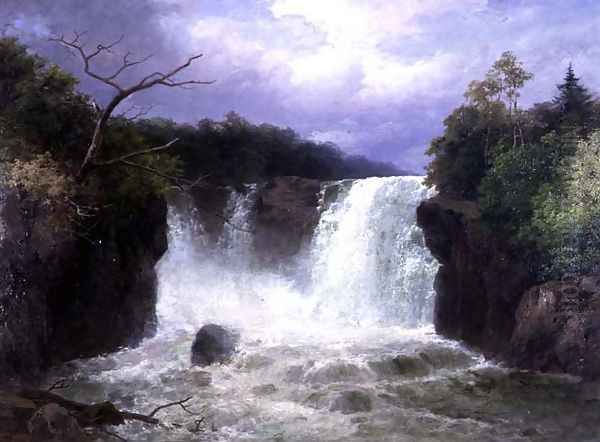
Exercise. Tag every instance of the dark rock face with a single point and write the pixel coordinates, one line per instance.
(63, 296)
(286, 214)
(481, 278)
(213, 344)
(558, 328)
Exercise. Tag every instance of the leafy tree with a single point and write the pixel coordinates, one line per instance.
(516, 177)
(459, 161)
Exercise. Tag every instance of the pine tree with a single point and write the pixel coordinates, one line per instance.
(574, 102)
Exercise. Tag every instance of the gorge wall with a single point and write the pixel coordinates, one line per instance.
(63, 296)
(487, 297)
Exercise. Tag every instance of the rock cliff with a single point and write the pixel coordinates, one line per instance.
(64, 296)
(487, 297)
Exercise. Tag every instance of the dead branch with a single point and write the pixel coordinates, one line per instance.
(135, 154)
(61, 384)
(104, 413)
(174, 404)
(142, 111)
(167, 79)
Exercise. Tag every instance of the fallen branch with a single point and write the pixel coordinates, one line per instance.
(104, 413)
(173, 404)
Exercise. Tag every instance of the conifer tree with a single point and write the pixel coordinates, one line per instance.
(574, 103)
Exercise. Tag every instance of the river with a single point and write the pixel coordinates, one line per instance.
(339, 348)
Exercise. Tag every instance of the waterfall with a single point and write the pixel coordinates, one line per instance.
(369, 258)
(236, 240)
(367, 264)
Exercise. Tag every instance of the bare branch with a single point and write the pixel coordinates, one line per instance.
(142, 111)
(135, 154)
(61, 384)
(176, 180)
(76, 45)
(128, 64)
(154, 79)
(174, 404)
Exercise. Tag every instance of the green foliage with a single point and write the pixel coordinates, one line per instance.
(462, 156)
(566, 218)
(516, 177)
(459, 161)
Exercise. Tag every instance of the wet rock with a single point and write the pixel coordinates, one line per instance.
(354, 401)
(264, 390)
(441, 357)
(316, 400)
(15, 412)
(213, 344)
(199, 378)
(590, 284)
(52, 423)
(336, 371)
(402, 365)
(286, 214)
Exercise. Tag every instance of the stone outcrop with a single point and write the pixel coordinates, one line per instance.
(486, 296)
(286, 214)
(64, 295)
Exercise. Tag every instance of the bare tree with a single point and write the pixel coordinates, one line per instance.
(167, 79)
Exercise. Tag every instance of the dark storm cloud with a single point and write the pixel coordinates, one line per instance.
(377, 77)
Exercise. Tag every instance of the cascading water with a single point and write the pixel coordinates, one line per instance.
(350, 356)
(369, 256)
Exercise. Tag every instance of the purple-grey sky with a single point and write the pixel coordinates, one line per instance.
(376, 77)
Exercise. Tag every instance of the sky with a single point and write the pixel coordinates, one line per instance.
(376, 77)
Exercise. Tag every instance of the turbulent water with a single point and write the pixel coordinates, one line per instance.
(340, 350)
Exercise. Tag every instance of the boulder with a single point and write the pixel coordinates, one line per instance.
(354, 401)
(52, 423)
(213, 344)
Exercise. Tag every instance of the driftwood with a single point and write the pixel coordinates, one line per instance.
(104, 413)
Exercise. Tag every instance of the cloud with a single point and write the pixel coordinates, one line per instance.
(376, 77)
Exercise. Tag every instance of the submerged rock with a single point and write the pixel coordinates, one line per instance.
(354, 401)
(52, 423)
(213, 343)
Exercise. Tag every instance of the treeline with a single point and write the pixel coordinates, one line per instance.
(235, 151)
(534, 172)
(46, 126)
